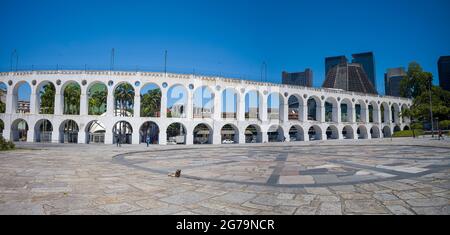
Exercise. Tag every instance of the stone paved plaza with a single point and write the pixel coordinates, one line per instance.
(399, 176)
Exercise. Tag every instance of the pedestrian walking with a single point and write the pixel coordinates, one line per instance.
(148, 140)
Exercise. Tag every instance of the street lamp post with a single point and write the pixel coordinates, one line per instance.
(431, 111)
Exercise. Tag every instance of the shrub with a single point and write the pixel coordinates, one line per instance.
(444, 125)
(407, 133)
(6, 145)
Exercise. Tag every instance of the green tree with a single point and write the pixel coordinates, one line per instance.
(97, 102)
(124, 99)
(72, 99)
(415, 82)
(151, 103)
(2, 105)
(47, 99)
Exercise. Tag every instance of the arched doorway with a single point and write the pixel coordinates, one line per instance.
(176, 133)
(374, 132)
(332, 132)
(95, 132)
(253, 134)
(19, 130)
(347, 132)
(229, 134)
(296, 133)
(397, 129)
(314, 133)
(122, 131)
(150, 131)
(386, 132)
(406, 128)
(43, 131)
(68, 132)
(202, 134)
(362, 132)
(275, 133)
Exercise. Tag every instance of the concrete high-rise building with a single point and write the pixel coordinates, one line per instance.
(349, 77)
(330, 62)
(367, 61)
(299, 78)
(392, 80)
(444, 72)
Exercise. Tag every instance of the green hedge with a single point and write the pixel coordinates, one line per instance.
(6, 145)
(407, 133)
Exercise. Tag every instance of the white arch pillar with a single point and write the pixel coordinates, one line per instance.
(10, 102)
(263, 110)
(83, 102)
(58, 103)
(321, 112)
(217, 106)
(33, 100)
(137, 105)
(110, 105)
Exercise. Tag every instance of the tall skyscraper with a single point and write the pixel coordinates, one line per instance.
(349, 77)
(444, 72)
(367, 61)
(330, 62)
(299, 78)
(392, 81)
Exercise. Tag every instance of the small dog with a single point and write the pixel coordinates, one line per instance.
(176, 174)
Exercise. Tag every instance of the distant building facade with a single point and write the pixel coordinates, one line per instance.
(349, 77)
(444, 72)
(331, 62)
(392, 80)
(367, 61)
(299, 78)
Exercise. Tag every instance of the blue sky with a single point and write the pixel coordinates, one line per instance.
(229, 37)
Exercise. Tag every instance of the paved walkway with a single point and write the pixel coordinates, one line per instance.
(402, 176)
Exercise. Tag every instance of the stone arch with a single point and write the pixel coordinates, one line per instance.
(229, 134)
(395, 109)
(203, 102)
(406, 128)
(149, 131)
(253, 134)
(43, 131)
(405, 119)
(122, 132)
(374, 111)
(150, 100)
(45, 97)
(347, 111)
(314, 108)
(330, 106)
(3, 92)
(203, 134)
(68, 132)
(97, 98)
(360, 111)
(275, 133)
(362, 132)
(230, 103)
(347, 132)
(397, 129)
(296, 133)
(387, 132)
(375, 132)
(332, 132)
(176, 133)
(177, 98)
(385, 110)
(21, 97)
(253, 104)
(124, 93)
(275, 106)
(95, 132)
(19, 130)
(295, 108)
(315, 133)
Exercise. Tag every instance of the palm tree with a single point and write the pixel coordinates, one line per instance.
(124, 96)
(47, 96)
(72, 99)
(97, 102)
(2, 105)
(151, 103)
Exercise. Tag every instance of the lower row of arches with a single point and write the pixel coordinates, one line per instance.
(176, 133)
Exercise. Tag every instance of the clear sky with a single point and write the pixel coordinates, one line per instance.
(228, 37)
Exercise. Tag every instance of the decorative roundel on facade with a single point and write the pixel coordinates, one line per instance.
(84, 82)
(33, 82)
(286, 94)
(242, 90)
(305, 96)
(137, 83)
(10, 82)
(322, 97)
(164, 85)
(265, 92)
(110, 83)
(339, 98)
(218, 88)
(191, 86)
(58, 82)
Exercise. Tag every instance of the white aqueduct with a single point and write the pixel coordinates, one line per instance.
(238, 111)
